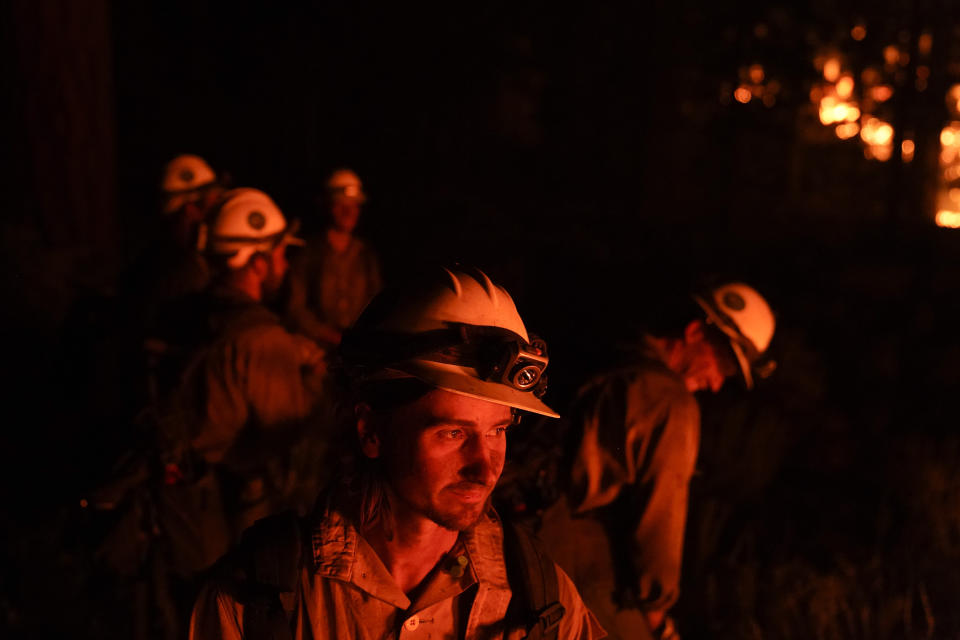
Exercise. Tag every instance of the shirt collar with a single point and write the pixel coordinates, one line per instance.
(341, 553)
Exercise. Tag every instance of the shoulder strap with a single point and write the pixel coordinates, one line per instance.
(272, 554)
(533, 577)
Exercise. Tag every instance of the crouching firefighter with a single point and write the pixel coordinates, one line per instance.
(405, 542)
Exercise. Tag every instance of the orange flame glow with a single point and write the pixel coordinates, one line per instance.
(949, 219)
(847, 130)
(845, 86)
(881, 93)
(891, 54)
(831, 70)
(907, 148)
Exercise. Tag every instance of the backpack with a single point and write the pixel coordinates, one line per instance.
(272, 555)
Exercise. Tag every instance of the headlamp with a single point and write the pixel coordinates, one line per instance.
(497, 355)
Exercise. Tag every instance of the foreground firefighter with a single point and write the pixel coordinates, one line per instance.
(406, 544)
(635, 431)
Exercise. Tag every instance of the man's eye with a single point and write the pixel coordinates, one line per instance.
(499, 432)
(451, 434)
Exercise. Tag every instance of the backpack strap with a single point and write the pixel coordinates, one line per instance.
(533, 577)
(271, 553)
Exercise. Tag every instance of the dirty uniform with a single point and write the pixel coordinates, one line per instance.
(347, 592)
(233, 420)
(329, 287)
(254, 373)
(619, 532)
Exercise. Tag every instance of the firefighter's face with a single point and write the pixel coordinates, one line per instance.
(443, 455)
(706, 363)
(345, 213)
(277, 269)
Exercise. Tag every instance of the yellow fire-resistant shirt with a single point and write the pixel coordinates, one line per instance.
(347, 592)
(620, 534)
(254, 374)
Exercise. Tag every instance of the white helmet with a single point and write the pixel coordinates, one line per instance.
(744, 316)
(456, 331)
(184, 178)
(246, 222)
(344, 183)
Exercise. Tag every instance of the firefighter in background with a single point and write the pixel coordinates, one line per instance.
(190, 189)
(250, 385)
(635, 430)
(168, 268)
(405, 544)
(225, 445)
(338, 273)
(170, 265)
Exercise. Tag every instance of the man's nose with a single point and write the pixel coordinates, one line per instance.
(478, 462)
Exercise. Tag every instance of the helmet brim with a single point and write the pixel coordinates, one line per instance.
(464, 381)
(290, 234)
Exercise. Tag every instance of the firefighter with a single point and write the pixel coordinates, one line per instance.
(338, 273)
(635, 429)
(190, 189)
(170, 266)
(249, 384)
(406, 543)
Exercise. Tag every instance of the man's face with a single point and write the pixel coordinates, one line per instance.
(277, 270)
(345, 213)
(706, 362)
(444, 454)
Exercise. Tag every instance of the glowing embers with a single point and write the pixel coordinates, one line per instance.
(949, 219)
(877, 135)
(907, 148)
(953, 100)
(755, 85)
(881, 92)
(948, 192)
(834, 110)
(847, 130)
(831, 69)
(844, 86)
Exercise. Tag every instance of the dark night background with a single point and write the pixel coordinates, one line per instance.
(589, 158)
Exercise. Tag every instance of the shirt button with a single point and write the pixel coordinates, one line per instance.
(412, 623)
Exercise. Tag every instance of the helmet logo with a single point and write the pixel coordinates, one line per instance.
(734, 301)
(256, 220)
(186, 175)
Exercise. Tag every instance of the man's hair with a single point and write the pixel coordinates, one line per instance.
(221, 270)
(363, 481)
(669, 316)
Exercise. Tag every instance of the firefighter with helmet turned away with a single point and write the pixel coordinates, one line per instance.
(170, 266)
(190, 190)
(337, 273)
(405, 543)
(633, 433)
(248, 385)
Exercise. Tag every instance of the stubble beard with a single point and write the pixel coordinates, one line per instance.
(460, 520)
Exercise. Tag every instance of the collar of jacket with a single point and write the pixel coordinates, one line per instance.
(341, 553)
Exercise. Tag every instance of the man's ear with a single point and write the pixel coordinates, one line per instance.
(366, 431)
(693, 333)
(258, 265)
